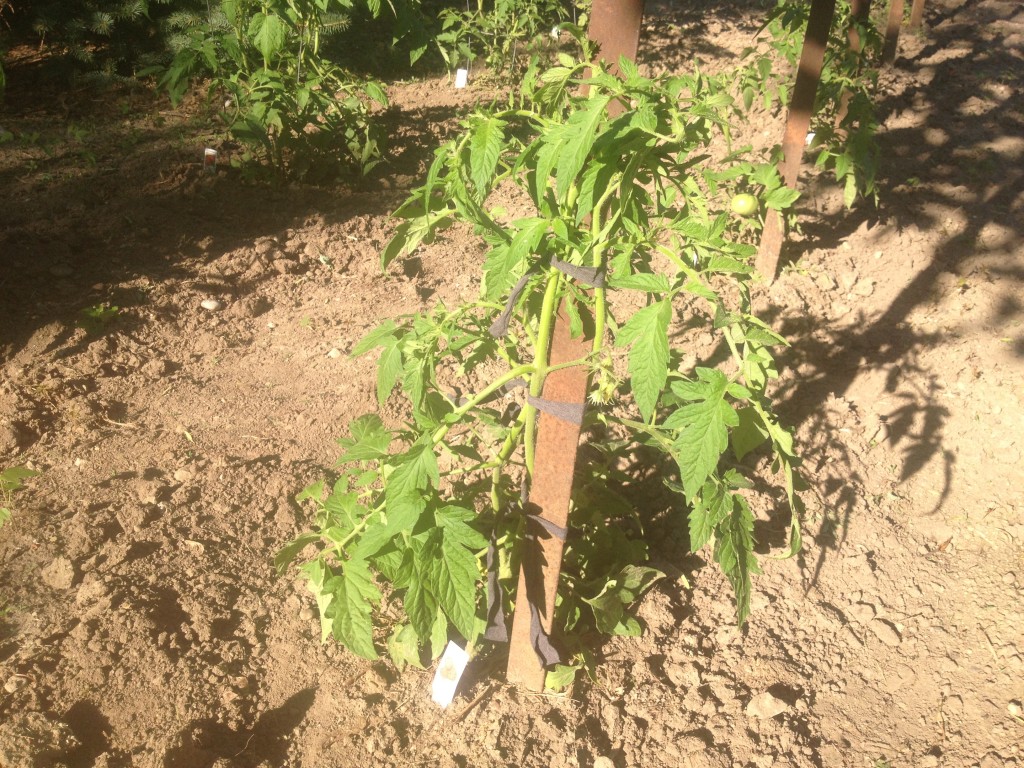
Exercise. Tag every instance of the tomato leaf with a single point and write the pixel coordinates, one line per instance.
(646, 334)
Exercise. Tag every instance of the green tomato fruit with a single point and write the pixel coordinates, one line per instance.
(744, 205)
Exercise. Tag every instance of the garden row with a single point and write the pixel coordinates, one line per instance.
(639, 226)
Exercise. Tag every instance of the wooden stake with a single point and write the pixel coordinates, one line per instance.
(812, 58)
(615, 27)
(861, 14)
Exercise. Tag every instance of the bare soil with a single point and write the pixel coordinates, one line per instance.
(143, 625)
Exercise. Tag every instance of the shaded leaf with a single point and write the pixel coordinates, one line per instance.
(354, 594)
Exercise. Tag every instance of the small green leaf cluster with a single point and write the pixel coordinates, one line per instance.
(96, 318)
(844, 123)
(425, 547)
(642, 199)
(503, 33)
(302, 116)
(11, 480)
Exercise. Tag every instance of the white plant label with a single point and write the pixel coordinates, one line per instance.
(461, 78)
(449, 672)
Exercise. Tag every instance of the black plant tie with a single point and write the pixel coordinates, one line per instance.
(592, 276)
(570, 412)
(500, 325)
(515, 384)
(533, 563)
(497, 624)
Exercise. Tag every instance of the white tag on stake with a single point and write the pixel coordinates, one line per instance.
(449, 672)
(461, 78)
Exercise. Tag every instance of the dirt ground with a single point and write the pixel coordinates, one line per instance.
(142, 624)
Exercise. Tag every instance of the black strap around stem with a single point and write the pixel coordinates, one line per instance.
(497, 624)
(592, 276)
(570, 412)
(500, 325)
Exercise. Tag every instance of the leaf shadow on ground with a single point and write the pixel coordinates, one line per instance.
(953, 157)
(206, 742)
(675, 33)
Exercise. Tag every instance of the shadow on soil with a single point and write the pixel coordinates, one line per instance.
(957, 170)
(206, 742)
(100, 189)
(675, 32)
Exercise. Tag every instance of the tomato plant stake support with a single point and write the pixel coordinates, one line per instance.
(861, 12)
(812, 58)
(892, 31)
(916, 14)
(551, 488)
(615, 27)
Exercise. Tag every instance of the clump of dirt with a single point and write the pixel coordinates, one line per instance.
(142, 623)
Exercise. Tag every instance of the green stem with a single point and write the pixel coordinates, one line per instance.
(540, 362)
(504, 454)
(569, 364)
(518, 372)
(647, 429)
(361, 526)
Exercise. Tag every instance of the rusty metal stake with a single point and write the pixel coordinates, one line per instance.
(916, 14)
(551, 489)
(615, 26)
(861, 13)
(812, 58)
(892, 31)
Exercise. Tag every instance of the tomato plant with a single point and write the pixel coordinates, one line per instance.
(844, 122)
(504, 33)
(628, 229)
(304, 116)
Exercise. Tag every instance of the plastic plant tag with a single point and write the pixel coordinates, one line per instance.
(461, 78)
(210, 160)
(449, 672)
(555, 32)
(810, 139)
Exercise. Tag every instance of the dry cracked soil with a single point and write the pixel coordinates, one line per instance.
(142, 622)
